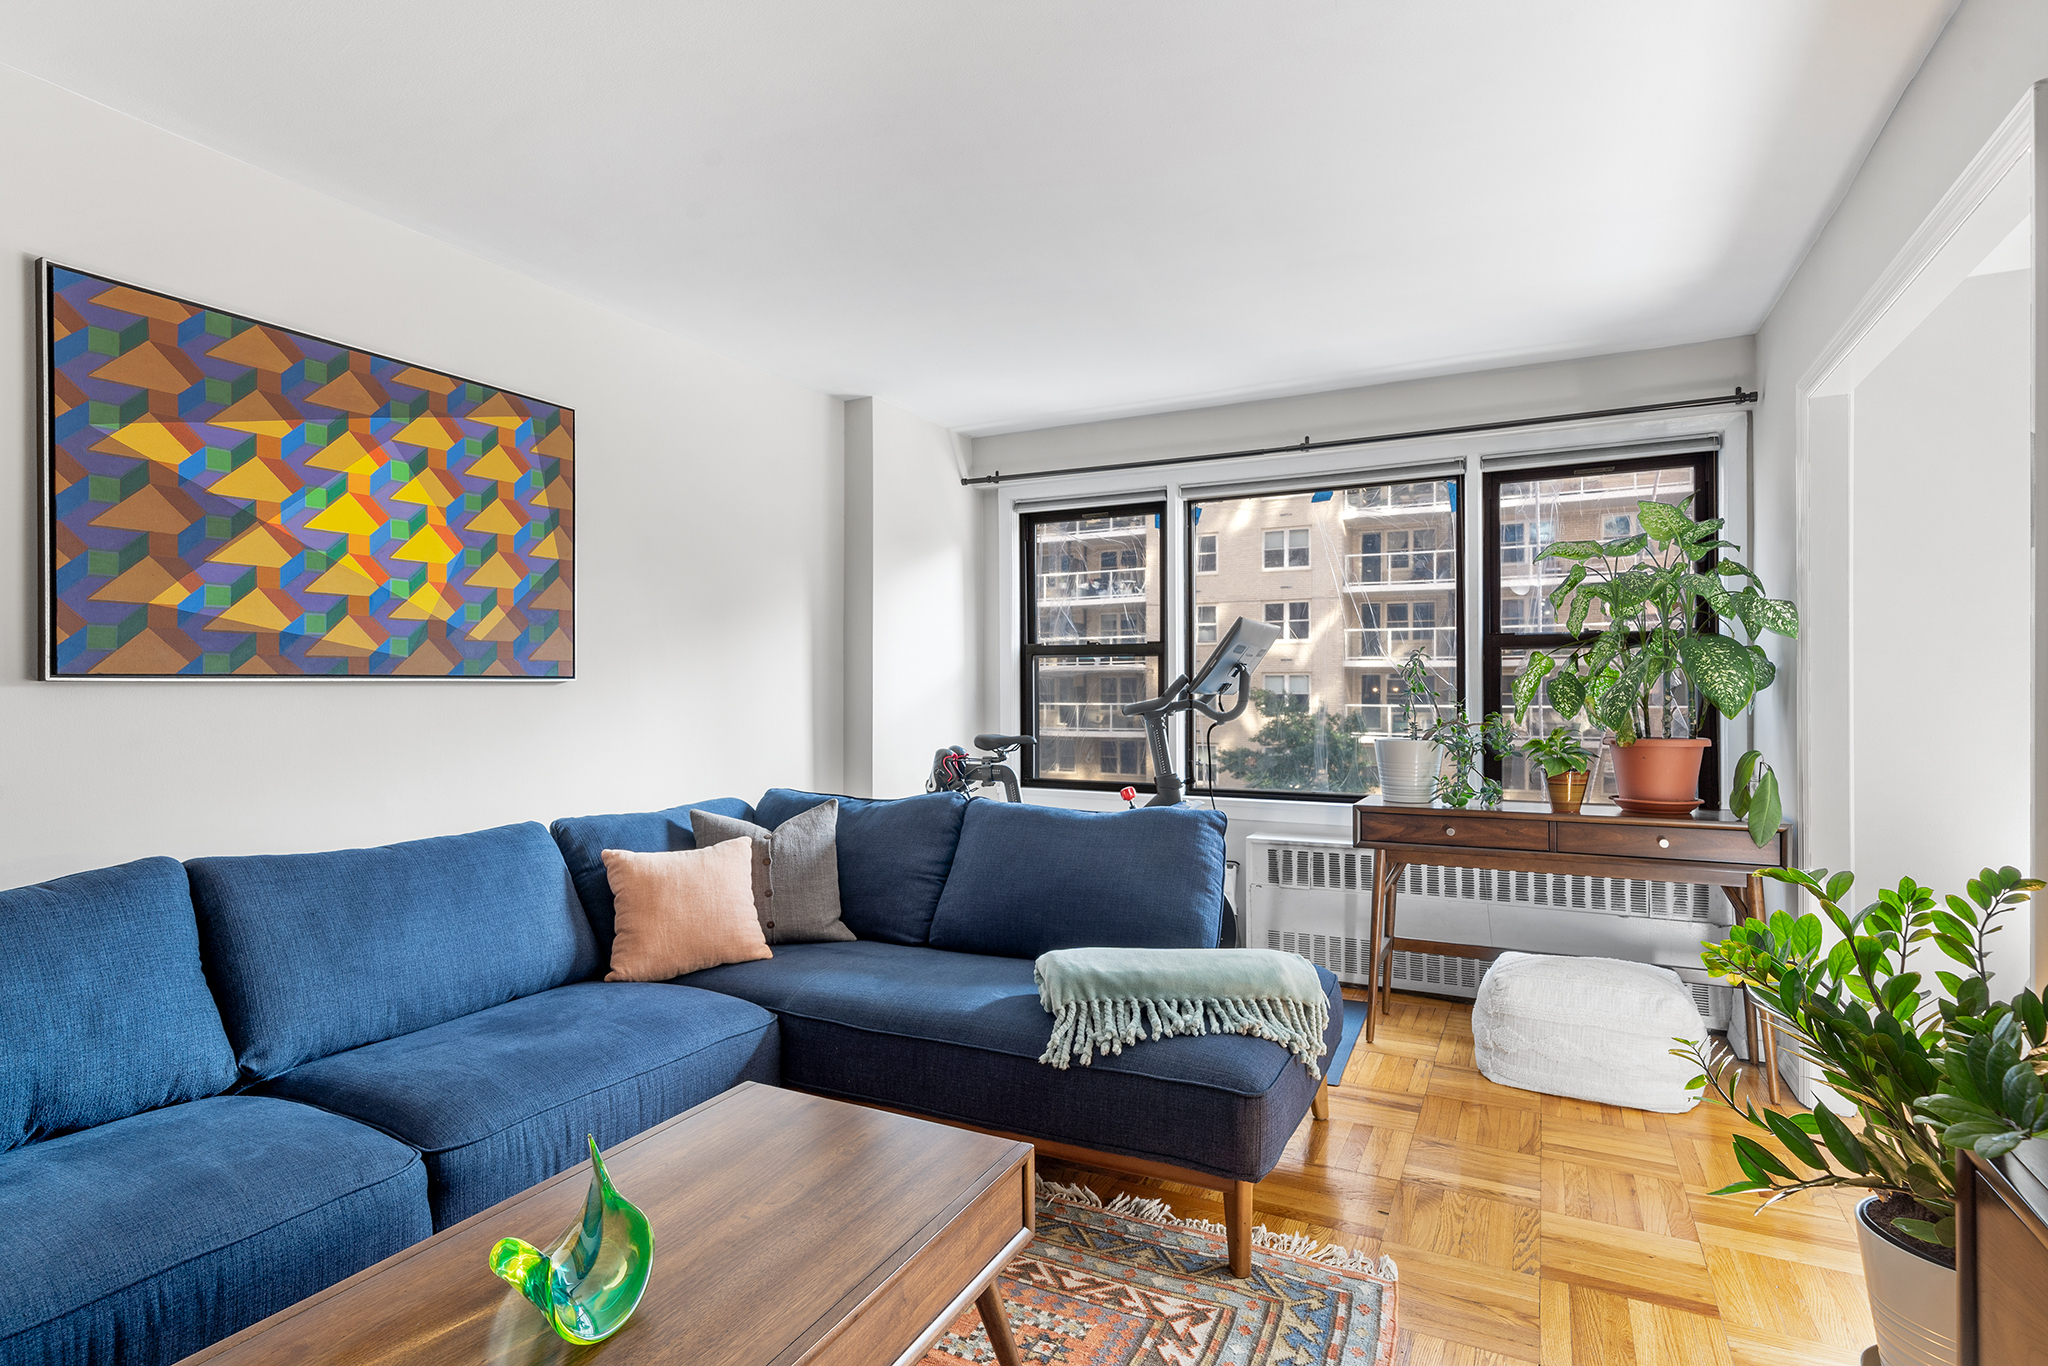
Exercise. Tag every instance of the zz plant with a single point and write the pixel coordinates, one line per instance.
(1652, 589)
(1881, 1039)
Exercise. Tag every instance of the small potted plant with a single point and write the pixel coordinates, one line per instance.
(1567, 765)
(1463, 742)
(1886, 1048)
(1409, 763)
(1652, 587)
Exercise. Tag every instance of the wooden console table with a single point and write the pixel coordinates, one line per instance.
(1710, 847)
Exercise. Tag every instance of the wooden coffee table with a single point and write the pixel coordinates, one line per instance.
(787, 1229)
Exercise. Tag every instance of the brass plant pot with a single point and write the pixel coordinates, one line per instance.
(1567, 791)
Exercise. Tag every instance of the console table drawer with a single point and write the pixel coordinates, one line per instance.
(1722, 844)
(1450, 827)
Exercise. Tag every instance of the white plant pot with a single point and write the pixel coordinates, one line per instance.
(1408, 770)
(1912, 1300)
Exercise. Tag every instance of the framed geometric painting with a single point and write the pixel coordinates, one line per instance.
(225, 498)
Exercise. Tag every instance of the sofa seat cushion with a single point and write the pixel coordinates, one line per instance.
(583, 840)
(104, 1006)
(312, 954)
(144, 1240)
(502, 1099)
(957, 1036)
(1031, 879)
(894, 856)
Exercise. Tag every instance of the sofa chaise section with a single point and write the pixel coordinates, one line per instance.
(935, 1010)
(957, 1036)
(153, 1215)
(439, 991)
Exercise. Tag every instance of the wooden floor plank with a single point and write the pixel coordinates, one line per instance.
(1541, 1229)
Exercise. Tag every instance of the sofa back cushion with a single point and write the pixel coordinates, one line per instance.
(313, 954)
(893, 857)
(583, 840)
(1030, 879)
(103, 1006)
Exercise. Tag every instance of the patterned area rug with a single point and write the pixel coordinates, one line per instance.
(1128, 1284)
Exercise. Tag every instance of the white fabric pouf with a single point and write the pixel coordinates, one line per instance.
(1592, 1028)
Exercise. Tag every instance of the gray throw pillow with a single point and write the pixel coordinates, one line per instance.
(796, 872)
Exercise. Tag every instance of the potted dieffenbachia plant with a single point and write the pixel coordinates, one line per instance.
(1651, 675)
(1888, 1047)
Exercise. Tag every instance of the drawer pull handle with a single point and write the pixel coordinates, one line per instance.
(1663, 843)
(1448, 830)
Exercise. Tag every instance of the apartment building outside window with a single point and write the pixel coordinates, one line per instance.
(1092, 616)
(1356, 578)
(1529, 509)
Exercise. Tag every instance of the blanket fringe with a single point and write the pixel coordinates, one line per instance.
(1084, 1028)
(1332, 1255)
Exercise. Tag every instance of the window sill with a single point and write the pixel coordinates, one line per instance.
(1256, 810)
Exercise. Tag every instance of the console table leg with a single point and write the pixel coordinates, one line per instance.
(1237, 1222)
(1383, 978)
(1372, 943)
(997, 1325)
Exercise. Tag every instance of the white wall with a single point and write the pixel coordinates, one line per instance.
(709, 546)
(913, 588)
(1991, 52)
(1616, 381)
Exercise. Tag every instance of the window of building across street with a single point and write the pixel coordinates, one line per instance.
(1287, 548)
(1290, 617)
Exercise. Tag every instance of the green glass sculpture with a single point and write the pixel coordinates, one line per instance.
(588, 1281)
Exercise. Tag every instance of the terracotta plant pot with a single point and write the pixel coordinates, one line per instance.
(1658, 777)
(1567, 791)
(1912, 1299)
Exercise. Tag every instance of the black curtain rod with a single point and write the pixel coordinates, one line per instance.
(1738, 397)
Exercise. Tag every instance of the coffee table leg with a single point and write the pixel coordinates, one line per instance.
(998, 1326)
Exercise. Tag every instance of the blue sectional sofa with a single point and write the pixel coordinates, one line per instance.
(231, 1083)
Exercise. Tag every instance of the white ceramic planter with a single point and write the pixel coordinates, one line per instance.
(1408, 770)
(1912, 1300)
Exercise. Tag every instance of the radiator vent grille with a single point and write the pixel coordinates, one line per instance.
(1343, 869)
(1350, 871)
(1437, 971)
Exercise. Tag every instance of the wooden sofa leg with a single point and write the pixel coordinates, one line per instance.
(1237, 1219)
(1320, 1106)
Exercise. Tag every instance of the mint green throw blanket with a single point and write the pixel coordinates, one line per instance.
(1102, 999)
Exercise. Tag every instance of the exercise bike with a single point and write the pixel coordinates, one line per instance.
(955, 770)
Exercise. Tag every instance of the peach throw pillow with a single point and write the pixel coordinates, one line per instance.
(683, 910)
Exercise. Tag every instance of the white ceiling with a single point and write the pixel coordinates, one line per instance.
(1004, 214)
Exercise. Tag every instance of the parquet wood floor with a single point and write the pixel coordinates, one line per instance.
(1531, 1229)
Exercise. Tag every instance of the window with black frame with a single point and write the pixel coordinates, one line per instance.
(1529, 509)
(1356, 579)
(1092, 641)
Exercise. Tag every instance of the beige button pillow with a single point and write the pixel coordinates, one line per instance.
(681, 911)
